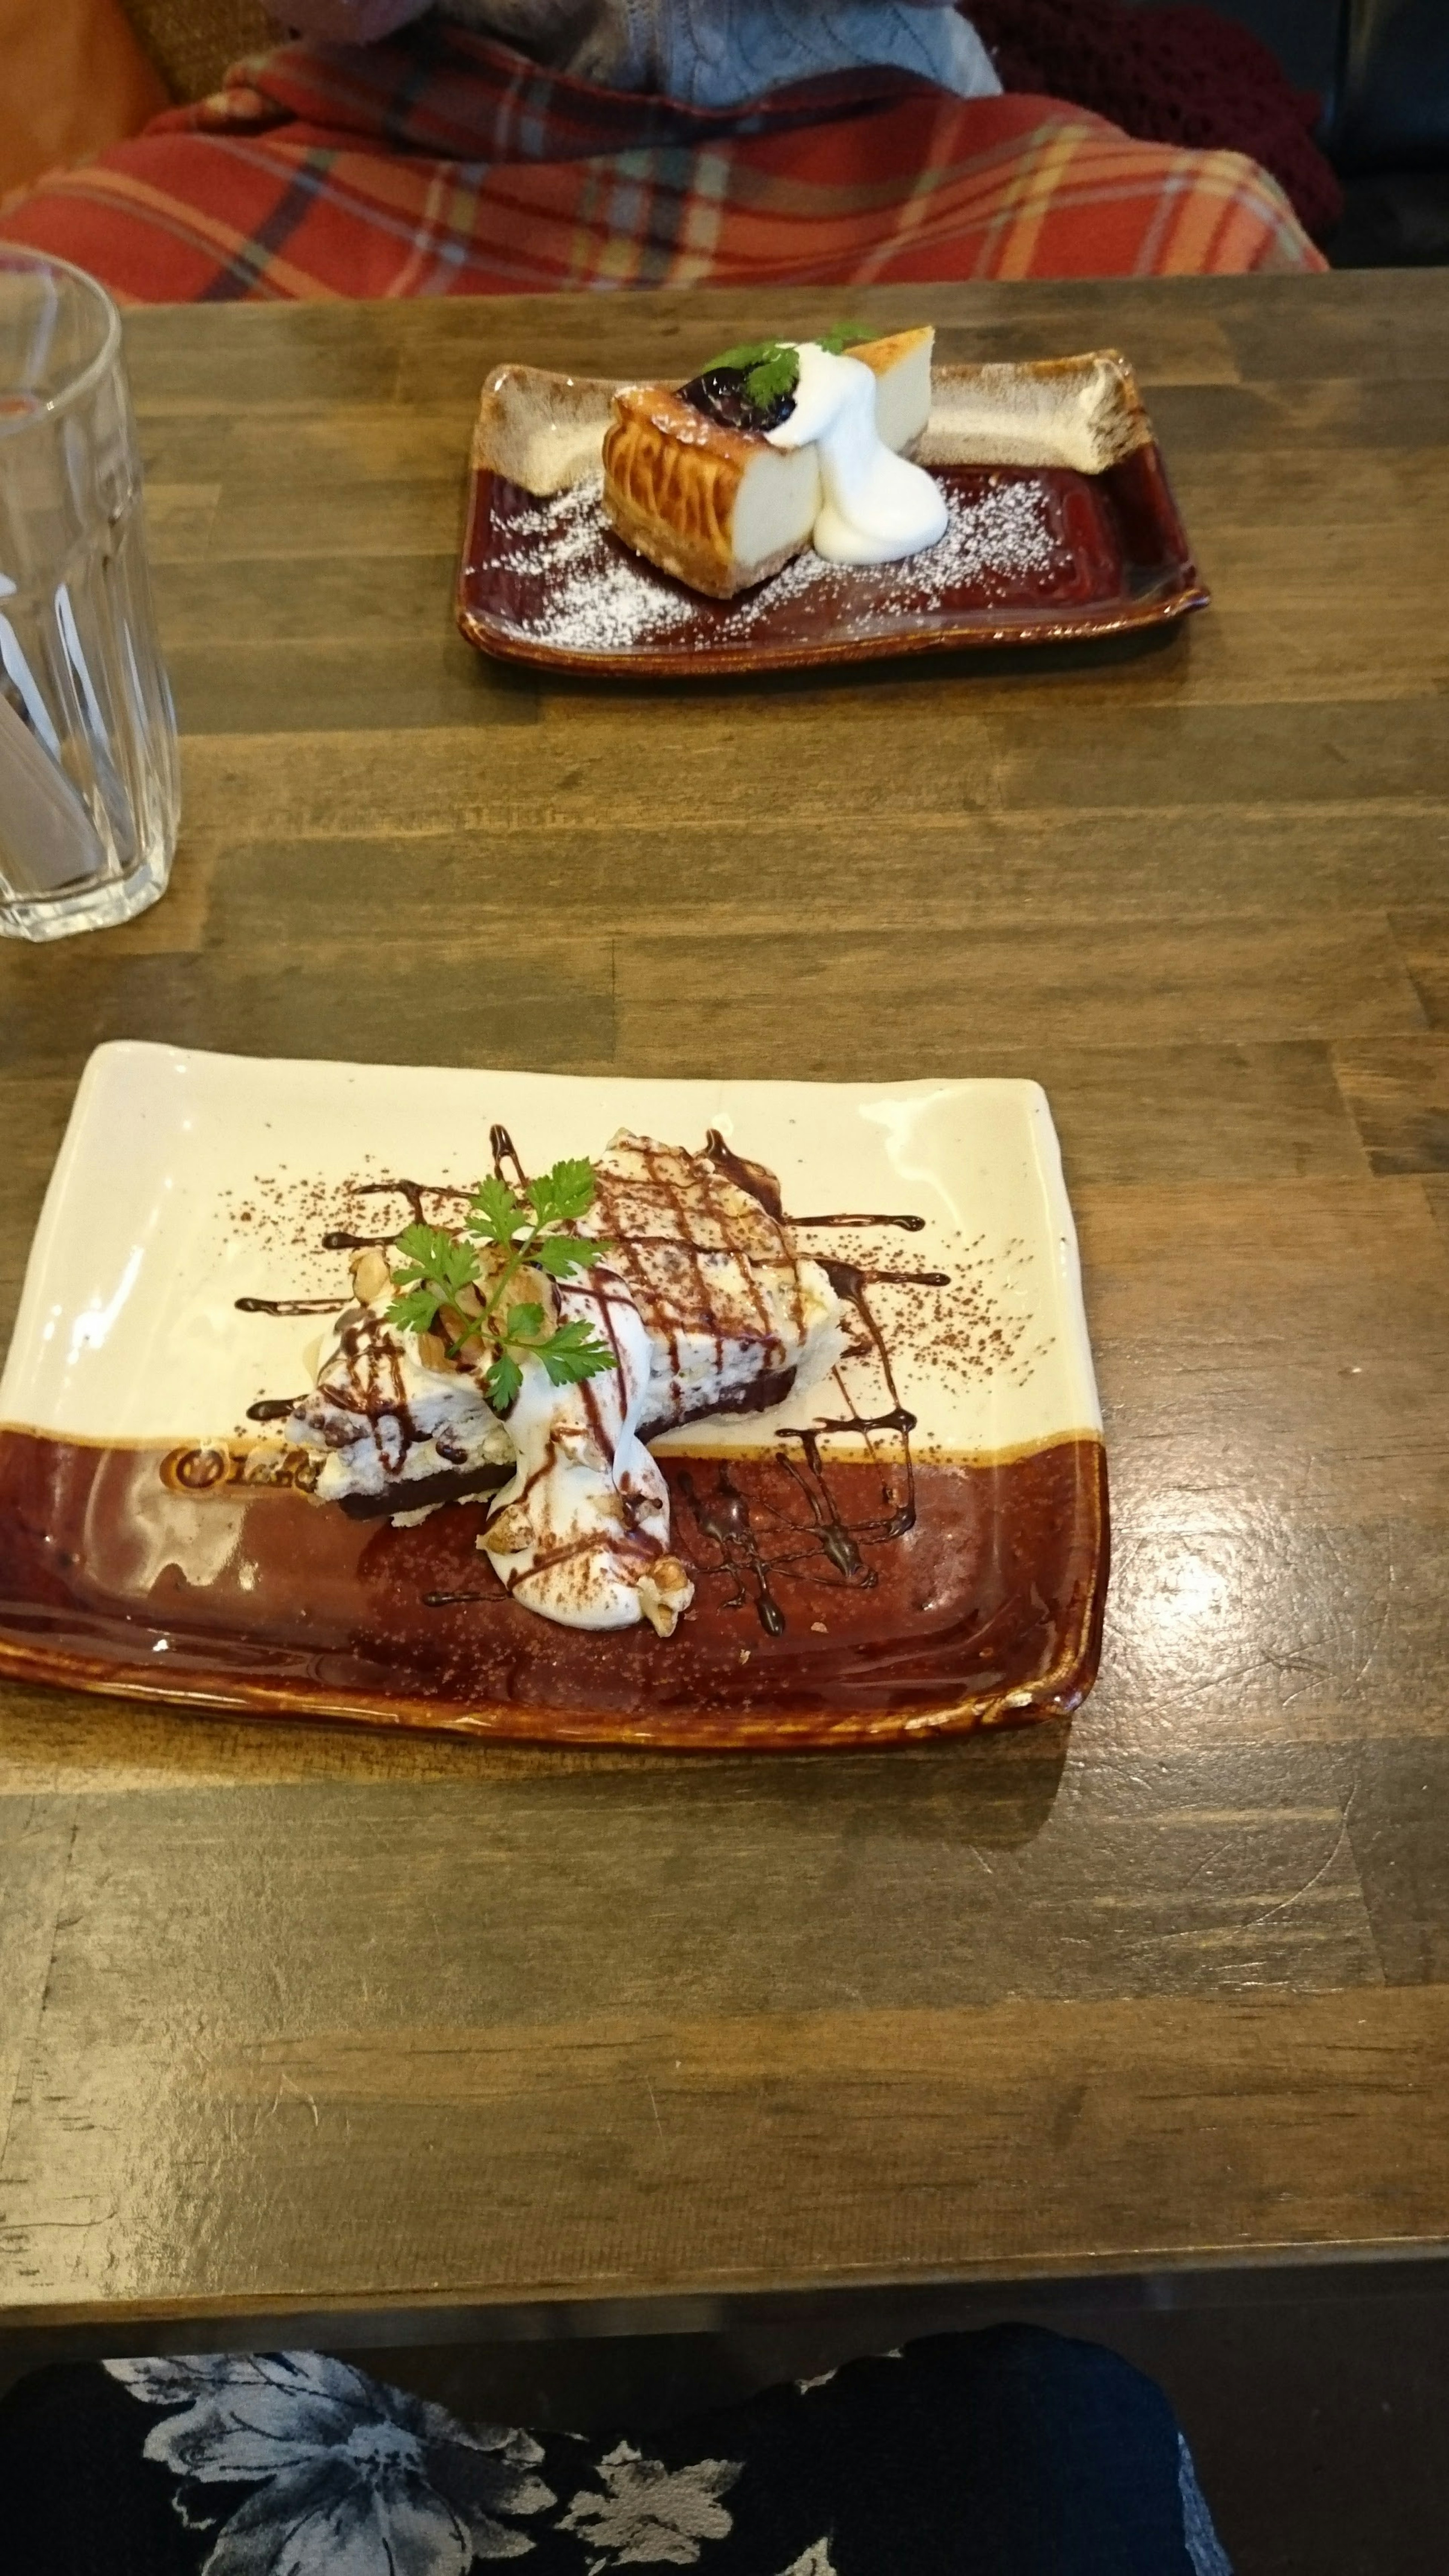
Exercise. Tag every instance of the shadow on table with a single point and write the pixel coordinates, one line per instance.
(983, 662)
(994, 1791)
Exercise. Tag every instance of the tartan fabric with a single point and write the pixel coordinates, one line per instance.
(441, 163)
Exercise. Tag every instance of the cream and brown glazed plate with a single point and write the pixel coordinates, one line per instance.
(918, 1545)
(1062, 528)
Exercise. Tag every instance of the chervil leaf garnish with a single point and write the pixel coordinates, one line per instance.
(503, 1381)
(771, 368)
(748, 354)
(494, 1212)
(504, 1232)
(572, 1353)
(777, 374)
(558, 1254)
(417, 1312)
(434, 1268)
(430, 1252)
(562, 1194)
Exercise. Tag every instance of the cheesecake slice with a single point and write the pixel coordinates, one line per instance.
(712, 500)
(719, 508)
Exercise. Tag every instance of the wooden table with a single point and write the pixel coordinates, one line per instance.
(302, 2022)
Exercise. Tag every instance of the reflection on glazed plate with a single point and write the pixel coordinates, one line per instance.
(916, 1546)
(1062, 528)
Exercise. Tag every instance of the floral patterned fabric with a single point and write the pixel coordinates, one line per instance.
(1009, 2453)
(343, 2474)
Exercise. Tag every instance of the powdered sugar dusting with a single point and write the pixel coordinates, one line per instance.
(586, 593)
(562, 578)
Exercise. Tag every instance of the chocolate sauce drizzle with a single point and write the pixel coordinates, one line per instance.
(907, 1224)
(414, 1192)
(900, 1278)
(762, 1185)
(291, 1305)
(503, 1150)
(754, 1542)
(748, 1555)
(724, 1515)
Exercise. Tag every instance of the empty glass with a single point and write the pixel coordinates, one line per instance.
(89, 784)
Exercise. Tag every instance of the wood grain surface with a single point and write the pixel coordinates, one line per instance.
(303, 2021)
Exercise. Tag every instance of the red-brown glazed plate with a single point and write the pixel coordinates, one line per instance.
(1062, 528)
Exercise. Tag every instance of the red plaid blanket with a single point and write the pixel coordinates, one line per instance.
(439, 163)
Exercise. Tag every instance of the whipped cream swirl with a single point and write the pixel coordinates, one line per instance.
(877, 506)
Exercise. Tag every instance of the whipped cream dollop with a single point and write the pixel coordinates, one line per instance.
(877, 506)
(582, 1532)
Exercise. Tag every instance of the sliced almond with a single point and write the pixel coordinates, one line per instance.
(663, 1618)
(508, 1533)
(664, 1592)
(370, 1274)
(432, 1350)
(460, 1342)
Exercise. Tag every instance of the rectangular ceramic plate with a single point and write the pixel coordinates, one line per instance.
(939, 1570)
(1063, 528)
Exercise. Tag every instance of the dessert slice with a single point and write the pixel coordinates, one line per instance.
(735, 1314)
(692, 480)
(717, 507)
(708, 1307)
(542, 1344)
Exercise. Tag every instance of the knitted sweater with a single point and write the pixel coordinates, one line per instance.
(708, 53)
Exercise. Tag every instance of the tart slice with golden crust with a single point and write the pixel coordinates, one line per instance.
(720, 507)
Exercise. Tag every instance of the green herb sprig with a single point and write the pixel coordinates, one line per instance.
(771, 368)
(526, 1226)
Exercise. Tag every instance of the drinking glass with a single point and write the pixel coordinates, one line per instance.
(89, 782)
